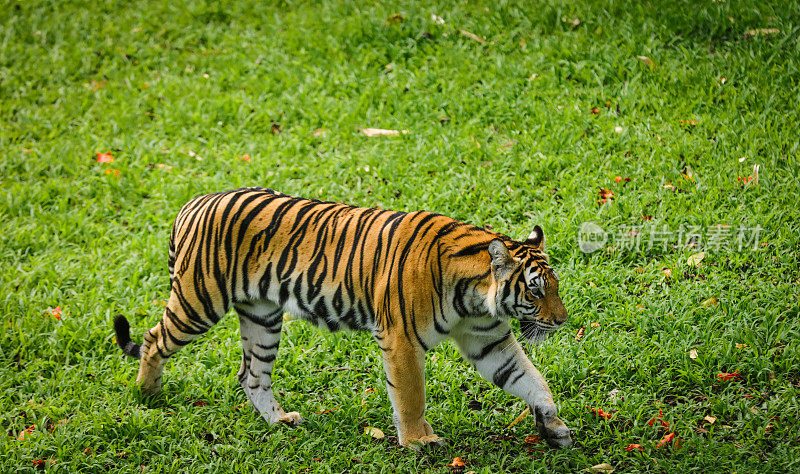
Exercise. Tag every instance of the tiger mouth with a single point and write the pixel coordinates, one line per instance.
(537, 331)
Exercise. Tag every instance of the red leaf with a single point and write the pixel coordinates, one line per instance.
(27, 431)
(665, 440)
(660, 419)
(105, 157)
(631, 447)
(114, 172)
(729, 376)
(54, 313)
(600, 413)
(605, 195)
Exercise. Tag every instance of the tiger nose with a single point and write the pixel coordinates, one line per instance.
(559, 312)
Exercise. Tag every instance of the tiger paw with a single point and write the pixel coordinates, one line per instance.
(555, 432)
(424, 442)
(292, 419)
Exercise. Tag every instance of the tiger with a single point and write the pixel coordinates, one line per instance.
(411, 279)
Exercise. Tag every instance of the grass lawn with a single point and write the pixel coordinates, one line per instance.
(518, 113)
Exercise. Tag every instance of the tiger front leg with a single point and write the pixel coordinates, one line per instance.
(405, 379)
(260, 327)
(500, 359)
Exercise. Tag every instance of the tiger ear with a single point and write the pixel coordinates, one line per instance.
(502, 261)
(536, 239)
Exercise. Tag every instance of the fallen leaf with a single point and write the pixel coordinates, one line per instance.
(579, 334)
(329, 410)
(457, 464)
(761, 32)
(658, 419)
(374, 432)
(665, 440)
(199, 403)
(164, 167)
(602, 467)
(318, 459)
(592, 284)
(26, 432)
(571, 21)
(105, 157)
(600, 413)
(54, 313)
(595, 110)
(667, 272)
(394, 19)
(605, 196)
(594, 325)
(693, 354)
(520, 417)
(321, 132)
(275, 128)
(711, 302)
(533, 439)
(728, 376)
(695, 259)
(741, 346)
(112, 172)
(472, 36)
(649, 62)
(633, 446)
(246, 158)
(380, 132)
(618, 179)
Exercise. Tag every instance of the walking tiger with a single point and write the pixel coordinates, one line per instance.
(410, 279)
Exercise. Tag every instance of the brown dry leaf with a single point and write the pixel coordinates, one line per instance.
(533, 439)
(520, 417)
(579, 335)
(594, 325)
(321, 132)
(472, 36)
(710, 419)
(602, 467)
(741, 346)
(591, 283)
(649, 62)
(275, 128)
(667, 272)
(381, 132)
(571, 21)
(394, 19)
(711, 302)
(374, 432)
(457, 464)
(695, 259)
(693, 354)
(761, 32)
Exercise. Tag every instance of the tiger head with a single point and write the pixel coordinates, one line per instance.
(525, 286)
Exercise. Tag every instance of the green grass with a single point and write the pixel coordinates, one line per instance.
(78, 78)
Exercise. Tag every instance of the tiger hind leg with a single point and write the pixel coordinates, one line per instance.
(175, 330)
(260, 325)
